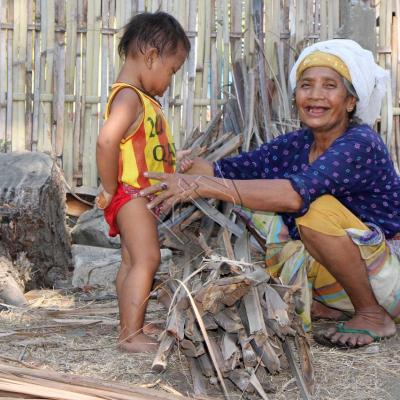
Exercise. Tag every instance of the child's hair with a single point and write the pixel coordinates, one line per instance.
(159, 30)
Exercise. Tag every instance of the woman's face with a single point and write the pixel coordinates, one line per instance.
(323, 101)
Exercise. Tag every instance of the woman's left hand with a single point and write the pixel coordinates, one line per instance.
(172, 189)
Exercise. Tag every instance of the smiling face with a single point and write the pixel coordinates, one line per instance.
(160, 68)
(323, 101)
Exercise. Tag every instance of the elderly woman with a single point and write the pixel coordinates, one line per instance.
(331, 184)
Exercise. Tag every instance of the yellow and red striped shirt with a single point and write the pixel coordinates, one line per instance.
(149, 147)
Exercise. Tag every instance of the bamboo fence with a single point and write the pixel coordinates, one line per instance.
(58, 60)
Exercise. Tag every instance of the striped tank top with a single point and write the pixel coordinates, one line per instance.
(149, 147)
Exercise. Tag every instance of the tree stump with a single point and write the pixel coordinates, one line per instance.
(32, 216)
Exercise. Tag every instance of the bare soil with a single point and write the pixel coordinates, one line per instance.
(76, 332)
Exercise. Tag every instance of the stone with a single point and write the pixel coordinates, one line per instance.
(95, 265)
(91, 229)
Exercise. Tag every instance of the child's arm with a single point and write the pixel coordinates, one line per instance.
(125, 110)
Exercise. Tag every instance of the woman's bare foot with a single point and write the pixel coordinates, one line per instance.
(140, 343)
(321, 311)
(375, 320)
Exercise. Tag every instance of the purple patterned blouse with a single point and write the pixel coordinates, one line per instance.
(356, 169)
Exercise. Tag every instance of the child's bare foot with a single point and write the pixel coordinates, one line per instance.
(140, 343)
(153, 328)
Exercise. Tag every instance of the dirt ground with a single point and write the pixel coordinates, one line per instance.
(76, 332)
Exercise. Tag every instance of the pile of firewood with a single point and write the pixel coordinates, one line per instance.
(232, 323)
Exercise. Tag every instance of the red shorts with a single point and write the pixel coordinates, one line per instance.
(123, 194)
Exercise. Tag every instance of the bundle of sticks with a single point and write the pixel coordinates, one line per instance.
(233, 324)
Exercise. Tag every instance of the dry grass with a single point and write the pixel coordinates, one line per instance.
(90, 350)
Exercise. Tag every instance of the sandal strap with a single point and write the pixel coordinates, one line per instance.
(343, 329)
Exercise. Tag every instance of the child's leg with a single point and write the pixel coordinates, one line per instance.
(140, 261)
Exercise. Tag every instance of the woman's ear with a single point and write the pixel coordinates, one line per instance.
(150, 56)
(351, 103)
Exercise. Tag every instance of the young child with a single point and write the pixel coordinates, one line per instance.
(134, 139)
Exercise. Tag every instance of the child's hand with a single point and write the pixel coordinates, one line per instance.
(103, 199)
(182, 154)
(187, 158)
(185, 165)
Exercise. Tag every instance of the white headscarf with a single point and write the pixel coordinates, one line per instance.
(369, 79)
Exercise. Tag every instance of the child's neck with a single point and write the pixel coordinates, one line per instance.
(125, 75)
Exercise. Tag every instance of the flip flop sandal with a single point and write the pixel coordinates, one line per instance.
(320, 337)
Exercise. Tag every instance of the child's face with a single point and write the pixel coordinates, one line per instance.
(162, 68)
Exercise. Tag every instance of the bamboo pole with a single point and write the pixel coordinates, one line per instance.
(59, 80)
(191, 68)
(28, 79)
(384, 27)
(323, 23)
(71, 76)
(200, 50)
(207, 59)
(105, 55)
(112, 46)
(394, 84)
(301, 15)
(180, 13)
(225, 49)
(18, 133)
(236, 30)
(47, 15)
(80, 94)
(36, 85)
(3, 75)
(91, 117)
(215, 46)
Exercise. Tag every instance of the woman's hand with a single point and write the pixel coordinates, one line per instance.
(172, 189)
